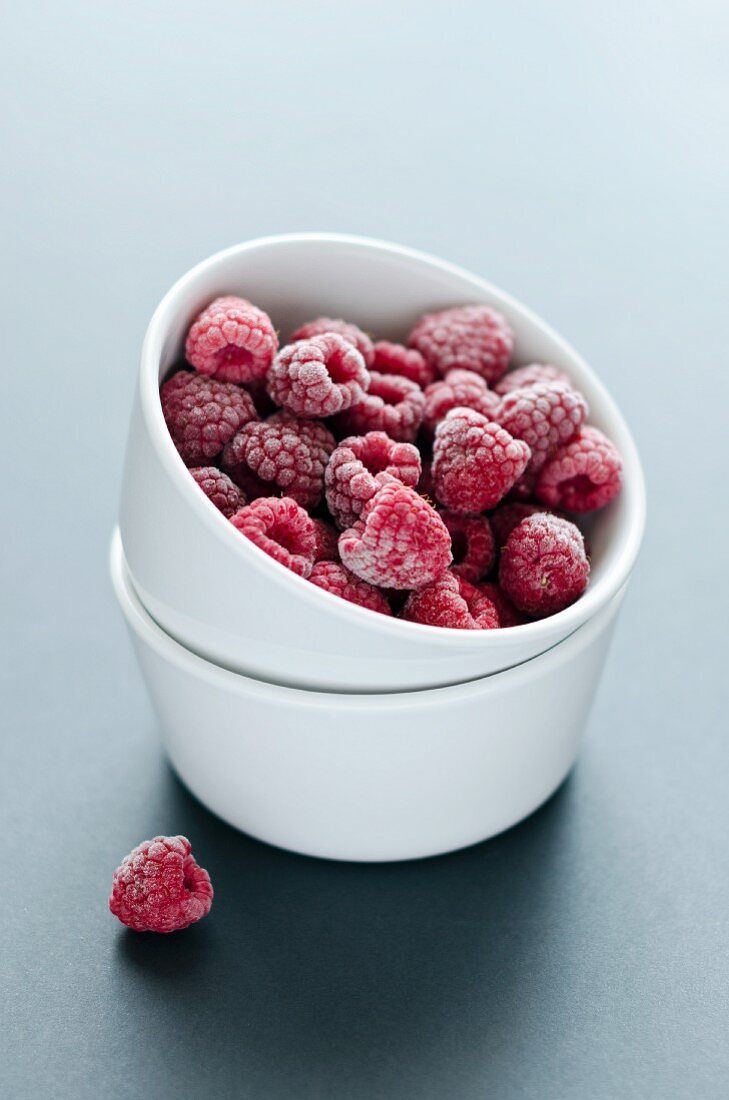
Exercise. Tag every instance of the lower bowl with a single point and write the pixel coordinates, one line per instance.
(369, 777)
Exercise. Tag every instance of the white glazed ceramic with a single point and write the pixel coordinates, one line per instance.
(369, 777)
(224, 598)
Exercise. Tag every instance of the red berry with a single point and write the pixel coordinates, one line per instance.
(527, 376)
(231, 340)
(473, 338)
(359, 466)
(475, 462)
(406, 362)
(282, 453)
(473, 545)
(334, 578)
(350, 332)
(450, 601)
(399, 541)
(459, 389)
(508, 615)
(393, 405)
(159, 887)
(282, 529)
(202, 414)
(543, 566)
(318, 377)
(508, 515)
(583, 475)
(327, 537)
(218, 488)
(545, 415)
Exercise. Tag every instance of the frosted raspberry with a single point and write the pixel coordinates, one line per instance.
(393, 405)
(473, 545)
(334, 578)
(473, 338)
(318, 377)
(159, 887)
(450, 601)
(202, 414)
(280, 527)
(218, 488)
(399, 541)
(508, 515)
(459, 389)
(526, 376)
(583, 475)
(545, 415)
(406, 362)
(543, 566)
(232, 340)
(508, 615)
(327, 538)
(282, 453)
(359, 466)
(475, 462)
(350, 332)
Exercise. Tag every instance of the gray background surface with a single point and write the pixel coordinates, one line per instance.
(574, 153)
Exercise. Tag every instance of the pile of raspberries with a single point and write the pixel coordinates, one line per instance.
(424, 480)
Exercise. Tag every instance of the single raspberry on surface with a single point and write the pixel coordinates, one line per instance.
(335, 578)
(202, 414)
(219, 489)
(527, 376)
(406, 362)
(327, 538)
(475, 461)
(399, 541)
(459, 389)
(508, 615)
(282, 529)
(508, 515)
(159, 887)
(283, 453)
(318, 377)
(450, 601)
(392, 404)
(473, 337)
(350, 332)
(582, 475)
(545, 415)
(232, 340)
(544, 567)
(474, 550)
(358, 467)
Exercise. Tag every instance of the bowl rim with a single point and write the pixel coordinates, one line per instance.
(567, 620)
(149, 632)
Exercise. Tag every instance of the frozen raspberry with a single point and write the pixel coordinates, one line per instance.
(508, 515)
(545, 415)
(280, 527)
(359, 466)
(202, 414)
(334, 578)
(406, 362)
(583, 475)
(327, 538)
(349, 331)
(450, 601)
(393, 405)
(473, 545)
(282, 453)
(399, 541)
(159, 887)
(459, 389)
(218, 488)
(526, 376)
(318, 377)
(543, 566)
(232, 340)
(508, 615)
(473, 338)
(475, 462)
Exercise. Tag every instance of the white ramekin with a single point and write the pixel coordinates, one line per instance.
(225, 599)
(369, 777)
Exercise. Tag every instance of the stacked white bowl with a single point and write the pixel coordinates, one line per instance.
(308, 721)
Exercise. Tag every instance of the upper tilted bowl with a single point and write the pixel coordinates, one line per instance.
(223, 597)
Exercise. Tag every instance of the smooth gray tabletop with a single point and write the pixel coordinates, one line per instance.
(577, 155)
